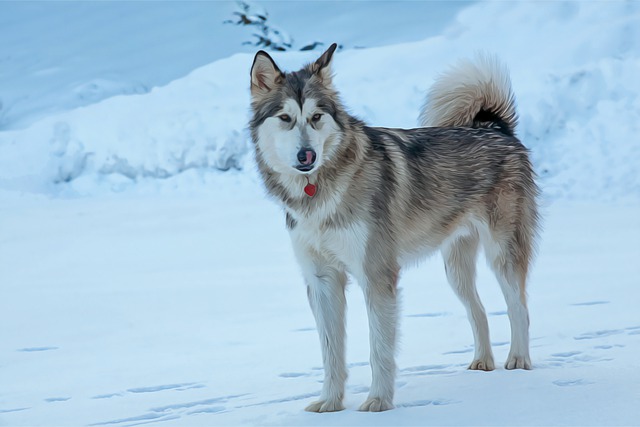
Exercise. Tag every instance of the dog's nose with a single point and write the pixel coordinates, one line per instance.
(306, 157)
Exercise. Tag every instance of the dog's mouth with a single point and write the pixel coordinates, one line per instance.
(304, 168)
(306, 160)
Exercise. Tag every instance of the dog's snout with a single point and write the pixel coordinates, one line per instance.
(306, 159)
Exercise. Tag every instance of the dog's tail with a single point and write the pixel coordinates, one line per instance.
(473, 93)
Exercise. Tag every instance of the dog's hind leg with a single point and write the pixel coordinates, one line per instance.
(512, 285)
(460, 264)
(509, 249)
(325, 290)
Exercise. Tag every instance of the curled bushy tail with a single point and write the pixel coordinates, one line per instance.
(472, 93)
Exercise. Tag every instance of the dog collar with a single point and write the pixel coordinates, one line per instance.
(310, 189)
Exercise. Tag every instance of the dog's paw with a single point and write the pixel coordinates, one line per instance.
(518, 362)
(331, 405)
(482, 365)
(376, 404)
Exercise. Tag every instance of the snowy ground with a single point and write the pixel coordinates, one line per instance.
(122, 311)
(146, 279)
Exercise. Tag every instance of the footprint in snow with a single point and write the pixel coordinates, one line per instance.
(214, 402)
(304, 329)
(427, 370)
(463, 351)
(151, 389)
(6, 411)
(563, 358)
(498, 313)
(138, 420)
(294, 374)
(589, 303)
(211, 410)
(57, 399)
(633, 330)
(174, 411)
(282, 400)
(566, 354)
(418, 403)
(107, 396)
(357, 364)
(36, 349)
(154, 389)
(608, 347)
(442, 314)
(571, 383)
(598, 334)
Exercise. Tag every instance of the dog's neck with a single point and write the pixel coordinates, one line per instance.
(331, 181)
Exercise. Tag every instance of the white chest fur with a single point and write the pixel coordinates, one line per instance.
(339, 245)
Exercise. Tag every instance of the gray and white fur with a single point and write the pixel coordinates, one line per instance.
(385, 198)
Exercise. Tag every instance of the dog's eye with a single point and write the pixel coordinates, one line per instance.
(316, 117)
(285, 118)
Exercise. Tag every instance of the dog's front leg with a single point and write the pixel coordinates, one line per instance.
(327, 300)
(325, 288)
(380, 290)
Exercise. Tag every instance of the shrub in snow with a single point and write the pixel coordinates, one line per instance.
(266, 34)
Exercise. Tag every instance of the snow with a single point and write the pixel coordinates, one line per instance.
(56, 56)
(146, 278)
(190, 311)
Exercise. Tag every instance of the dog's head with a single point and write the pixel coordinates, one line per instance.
(295, 123)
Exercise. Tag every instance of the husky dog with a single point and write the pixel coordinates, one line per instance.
(366, 201)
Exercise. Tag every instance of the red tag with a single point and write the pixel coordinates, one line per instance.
(310, 189)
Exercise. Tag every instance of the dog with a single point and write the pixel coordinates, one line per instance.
(365, 201)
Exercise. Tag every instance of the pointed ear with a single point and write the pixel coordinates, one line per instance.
(322, 66)
(265, 74)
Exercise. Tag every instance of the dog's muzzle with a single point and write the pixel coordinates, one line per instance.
(306, 159)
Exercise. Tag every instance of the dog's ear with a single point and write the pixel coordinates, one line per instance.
(322, 66)
(265, 74)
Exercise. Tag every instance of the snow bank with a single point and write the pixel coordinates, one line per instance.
(194, 123)
(574, 68)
